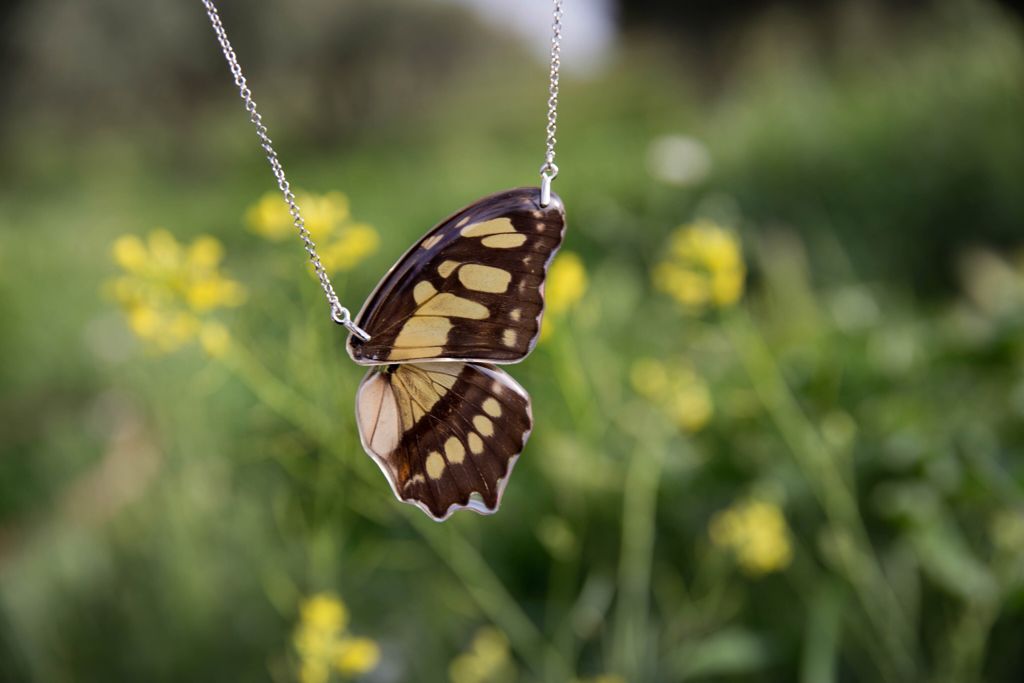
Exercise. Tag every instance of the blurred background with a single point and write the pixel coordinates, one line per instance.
(780, 390)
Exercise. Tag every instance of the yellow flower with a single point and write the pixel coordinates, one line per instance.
(341, 243)
(214, 292)
(324, 611)
(486, 661)
(178, 329)
(356, 656)
(130, 253)
(165, 252)
(215, 339)
(677, 390)
(348, 249)
(145, 322)
(269, 217)
(314, 671)
(322, 213)
(703, 267)
(755, 531)
(167, 290)
(322, 642)
(205, 252)
(566, 284)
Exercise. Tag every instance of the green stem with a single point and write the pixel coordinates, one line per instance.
(570, 376)
(964, 658)
(633, 637)
(491, 596)
(276, 395)
(834, 493)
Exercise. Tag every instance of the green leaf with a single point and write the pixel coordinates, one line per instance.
(728, 652)
(948, 561)
(821, 640)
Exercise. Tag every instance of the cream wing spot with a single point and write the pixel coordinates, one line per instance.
(417, 412)
(446, 268)
(492, 407)
(445, 380)
(508, 338)
(407, 410)
(431, 241)
(421, 392)
(454, 450)
(423, 291)
(411, 353)
(491, 227)
(446, 304)
(414, 399)
(434, 465)
(483, 425)
(423, 331)
(504, 241)
(476, 444)
(515, 315)
(484, 278)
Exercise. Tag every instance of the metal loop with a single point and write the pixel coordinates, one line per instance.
(343, 317)
(340, 314)
(545, 188)
(357, 331)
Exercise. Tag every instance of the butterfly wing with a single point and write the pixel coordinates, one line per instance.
(446, 435)
(471, 289)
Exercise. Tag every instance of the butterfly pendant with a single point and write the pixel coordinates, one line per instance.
(442, 421)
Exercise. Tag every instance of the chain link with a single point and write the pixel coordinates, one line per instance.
(339, 313)
(548, 170)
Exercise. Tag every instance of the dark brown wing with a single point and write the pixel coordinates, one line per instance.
(446, 435)
(471, 289)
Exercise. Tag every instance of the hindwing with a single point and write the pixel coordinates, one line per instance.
(446, 435)
(471, 289)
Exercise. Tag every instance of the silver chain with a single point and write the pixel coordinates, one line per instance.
(339, 313)
(548, 170)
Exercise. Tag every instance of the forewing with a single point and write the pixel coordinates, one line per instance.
(471, 289)
(446, 435)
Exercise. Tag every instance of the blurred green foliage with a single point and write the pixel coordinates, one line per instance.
(162, 517)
